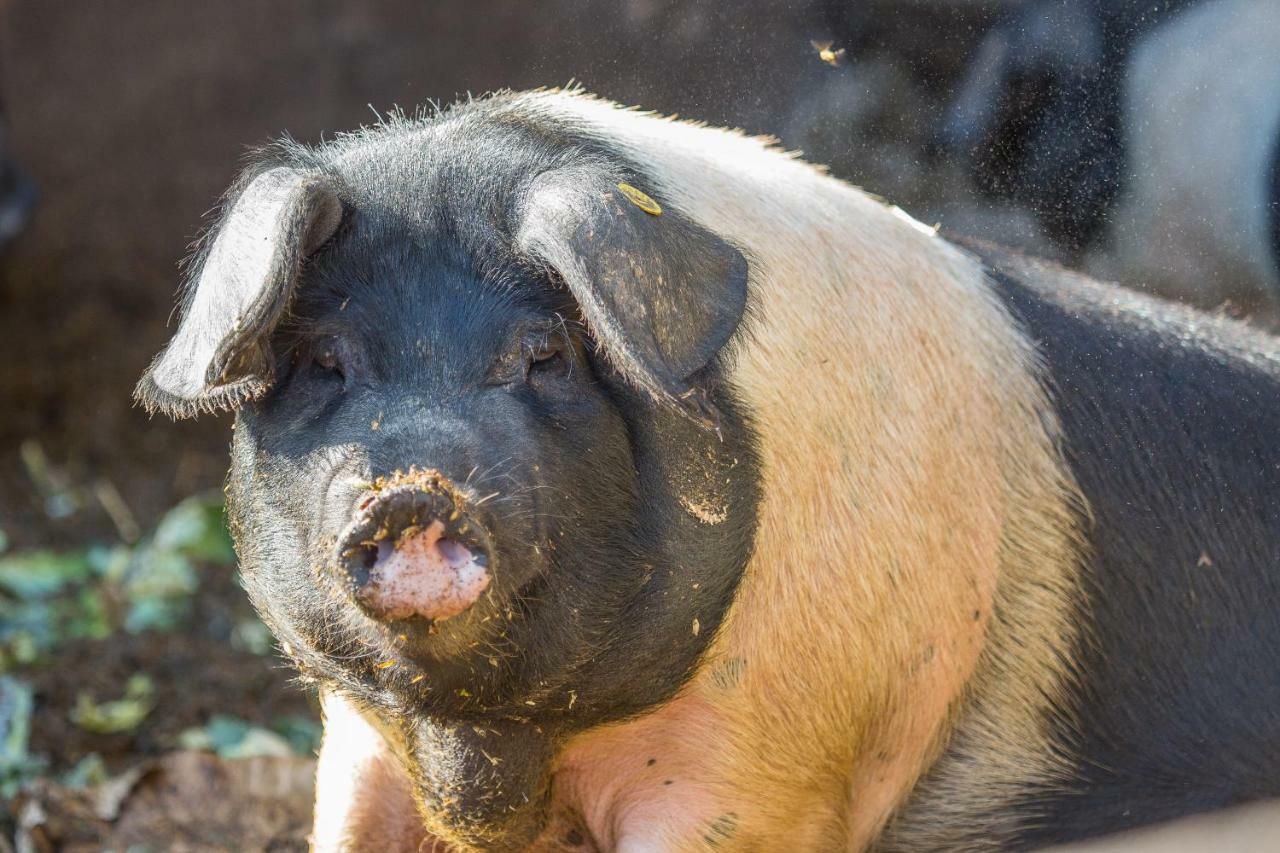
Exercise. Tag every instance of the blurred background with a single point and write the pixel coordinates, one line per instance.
(1133, 139)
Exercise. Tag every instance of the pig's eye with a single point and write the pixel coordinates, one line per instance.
(546, 360)
(325, 359)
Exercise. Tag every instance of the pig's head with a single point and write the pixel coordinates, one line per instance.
(488, 477)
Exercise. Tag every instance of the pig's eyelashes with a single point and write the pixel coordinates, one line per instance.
(537, 358)
(547, 361)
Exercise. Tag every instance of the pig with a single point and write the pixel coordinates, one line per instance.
(626, 484)
(17, 192)
(1037, 116)
(1199, 219)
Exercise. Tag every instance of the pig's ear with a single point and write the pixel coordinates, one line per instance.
(661, 294)
(219, 356)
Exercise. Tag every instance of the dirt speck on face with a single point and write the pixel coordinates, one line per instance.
(426, 479)
(704, 510)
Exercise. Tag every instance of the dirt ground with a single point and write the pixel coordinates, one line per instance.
(131, 116)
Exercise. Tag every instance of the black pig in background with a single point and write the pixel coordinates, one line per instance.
(17, 193)
(1143, 136)
(625, 484)
(1037, 115)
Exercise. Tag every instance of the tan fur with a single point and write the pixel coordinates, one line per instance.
(911, 482)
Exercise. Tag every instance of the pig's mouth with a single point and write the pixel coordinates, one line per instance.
(413, 550)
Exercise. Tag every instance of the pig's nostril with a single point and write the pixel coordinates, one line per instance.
(358, 561)
(454, 552)
(413, 551)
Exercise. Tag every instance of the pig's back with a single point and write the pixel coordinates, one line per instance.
(1171, 427)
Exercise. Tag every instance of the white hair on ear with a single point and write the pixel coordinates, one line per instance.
(242, 287)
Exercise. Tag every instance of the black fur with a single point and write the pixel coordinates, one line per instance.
(238, 312)
(1037, 119)
(409, 343)
(1170, 422)
(651, 284)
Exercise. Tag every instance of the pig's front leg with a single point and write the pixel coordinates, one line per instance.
(363, 798)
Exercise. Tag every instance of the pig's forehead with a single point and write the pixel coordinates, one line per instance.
(448, 190)
(463, 170)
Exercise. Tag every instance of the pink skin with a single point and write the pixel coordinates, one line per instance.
(643, 785)
(425, 574)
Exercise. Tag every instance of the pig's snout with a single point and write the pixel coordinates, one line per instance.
(414, 550)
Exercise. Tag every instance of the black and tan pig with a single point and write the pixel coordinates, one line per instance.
(629, 485)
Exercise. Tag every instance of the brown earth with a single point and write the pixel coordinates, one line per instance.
(187, 801)
(196, 670)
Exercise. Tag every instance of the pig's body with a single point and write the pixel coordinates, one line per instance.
(906, 554)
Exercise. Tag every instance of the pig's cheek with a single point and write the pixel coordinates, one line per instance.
(364, 800)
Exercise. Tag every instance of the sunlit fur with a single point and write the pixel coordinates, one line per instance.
(363, 799)
(912, 589)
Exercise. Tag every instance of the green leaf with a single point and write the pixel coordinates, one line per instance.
(119, 715)
(16, 764)
(88, 771)
(87, 616)
(196, 528)
(33, 621)
(303, 733)
(22, 648)
(159, 587)
(225, 732)
(252, 636)
(16, 704)
(38, 574)
(111, 564)
(231, 737)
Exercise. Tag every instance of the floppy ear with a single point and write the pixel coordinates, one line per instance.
(661, 294)
(219, 358)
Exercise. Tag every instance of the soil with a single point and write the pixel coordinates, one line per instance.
(185, 801)
(181, 800)
(196, 672)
